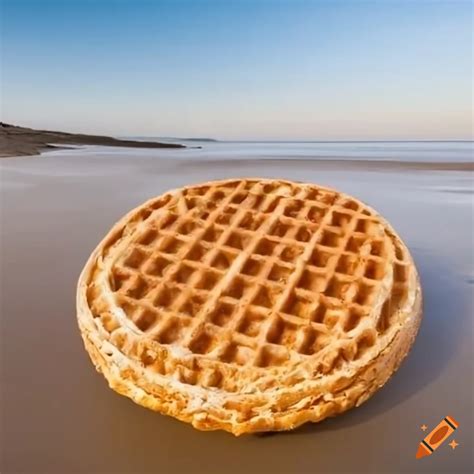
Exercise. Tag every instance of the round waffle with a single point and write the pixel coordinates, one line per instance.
(249, 305)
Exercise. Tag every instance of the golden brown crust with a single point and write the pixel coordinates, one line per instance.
(249, 397)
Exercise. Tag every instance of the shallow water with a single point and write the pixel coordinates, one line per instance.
(426, 151)
(58, 415)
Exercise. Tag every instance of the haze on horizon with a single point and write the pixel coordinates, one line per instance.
(277, 70)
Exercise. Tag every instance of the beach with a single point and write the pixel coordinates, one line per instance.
(56, 207)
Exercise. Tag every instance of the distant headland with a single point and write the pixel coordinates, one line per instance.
(22, 141)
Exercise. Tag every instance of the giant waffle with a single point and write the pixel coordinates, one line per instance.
(249, 305)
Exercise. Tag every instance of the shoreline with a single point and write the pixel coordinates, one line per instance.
(350, 164)
(21, 141)
(323, 164)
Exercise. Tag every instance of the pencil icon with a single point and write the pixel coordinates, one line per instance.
(437, 437)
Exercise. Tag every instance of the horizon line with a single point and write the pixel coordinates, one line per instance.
(263, 140)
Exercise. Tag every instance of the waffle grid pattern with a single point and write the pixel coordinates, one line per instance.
(258, 273)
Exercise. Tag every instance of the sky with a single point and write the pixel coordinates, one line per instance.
(240, 70)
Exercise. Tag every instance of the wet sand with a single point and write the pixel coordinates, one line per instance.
(57, 414)
(21, 141)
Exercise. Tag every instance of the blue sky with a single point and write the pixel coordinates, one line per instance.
(240, 70)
